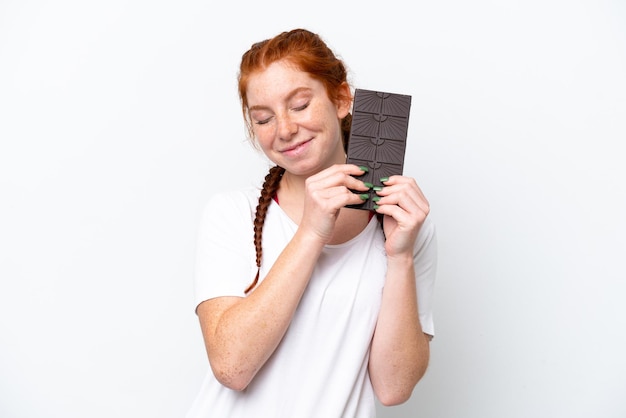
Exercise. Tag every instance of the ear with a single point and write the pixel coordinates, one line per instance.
(344, 102)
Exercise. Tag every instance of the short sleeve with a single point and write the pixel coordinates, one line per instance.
(425, 262)
(225, 247)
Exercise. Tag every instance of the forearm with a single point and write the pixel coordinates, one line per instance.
(248, 331)
(400, 350)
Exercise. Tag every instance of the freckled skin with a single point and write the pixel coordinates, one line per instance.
(292, 112)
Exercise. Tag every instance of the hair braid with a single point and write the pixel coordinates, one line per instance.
(270, 186)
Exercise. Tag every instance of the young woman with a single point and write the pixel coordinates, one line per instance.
(309, 308)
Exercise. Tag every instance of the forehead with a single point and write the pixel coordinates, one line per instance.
(277, 82)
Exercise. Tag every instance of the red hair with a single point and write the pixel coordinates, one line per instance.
(306, 51)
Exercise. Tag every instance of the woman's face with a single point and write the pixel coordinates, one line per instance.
(294, 122)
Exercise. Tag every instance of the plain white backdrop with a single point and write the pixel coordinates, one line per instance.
(119, 119)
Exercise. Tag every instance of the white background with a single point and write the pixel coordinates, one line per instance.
(119, 119)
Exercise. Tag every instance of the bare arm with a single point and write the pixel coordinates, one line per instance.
(240, 334)
(400, 351)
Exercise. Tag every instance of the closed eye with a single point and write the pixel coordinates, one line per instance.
(300, 108)
(263, 122)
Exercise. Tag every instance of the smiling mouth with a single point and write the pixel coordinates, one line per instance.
(295, 147)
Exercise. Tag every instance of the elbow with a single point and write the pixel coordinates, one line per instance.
(233, 384)
(231, 377)
(393, 397)
(399, 390)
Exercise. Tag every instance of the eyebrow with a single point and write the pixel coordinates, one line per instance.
(289, 97)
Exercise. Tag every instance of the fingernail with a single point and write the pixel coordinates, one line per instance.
(377, 188)
(375, 207)
(364, 196)
(384, 179)
(364, 168)
(368, 185)
(376, 198)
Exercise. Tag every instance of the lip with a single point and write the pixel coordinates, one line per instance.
(296, 149)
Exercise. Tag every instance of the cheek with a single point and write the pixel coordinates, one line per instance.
(316, 120)
(263, 137)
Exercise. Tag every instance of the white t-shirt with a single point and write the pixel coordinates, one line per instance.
(320, 368)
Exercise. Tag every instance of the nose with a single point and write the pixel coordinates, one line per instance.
(287, 127)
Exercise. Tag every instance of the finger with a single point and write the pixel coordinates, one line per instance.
(406, 199)
(404, 192)
(340, 175)
(334, 198)
(393, 211)
(347, 169)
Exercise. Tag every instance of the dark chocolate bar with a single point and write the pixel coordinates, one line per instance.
(377, 140)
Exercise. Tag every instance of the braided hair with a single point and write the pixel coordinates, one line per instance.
(308, 52)
(270, 187)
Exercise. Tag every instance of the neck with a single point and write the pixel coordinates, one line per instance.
(292, 187)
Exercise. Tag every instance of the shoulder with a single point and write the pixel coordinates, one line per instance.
(425, 251)
(427, 234)
(230, 208)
